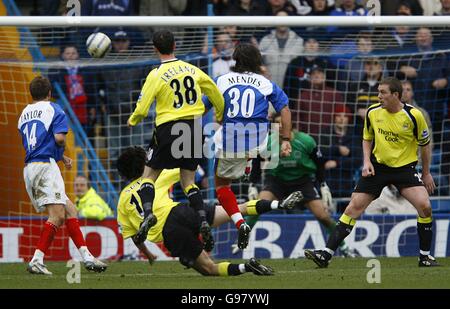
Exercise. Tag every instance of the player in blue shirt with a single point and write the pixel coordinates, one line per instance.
(245, 129)
(43, 127)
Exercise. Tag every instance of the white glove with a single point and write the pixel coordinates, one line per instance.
(327, 198)
(252, 192)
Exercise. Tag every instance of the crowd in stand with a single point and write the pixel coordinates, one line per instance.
(329, 92)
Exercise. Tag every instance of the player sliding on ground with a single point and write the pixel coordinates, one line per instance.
(178, 224)
(43, 126)
(177, 88)
(392, 133)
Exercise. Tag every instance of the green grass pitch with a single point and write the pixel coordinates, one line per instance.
(289, 274)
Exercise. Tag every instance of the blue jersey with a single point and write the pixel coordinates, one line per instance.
(38, 124)
(245, 120)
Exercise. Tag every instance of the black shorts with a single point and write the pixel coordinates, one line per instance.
(401, 177)
(181, 232)
(282, 189)
(183, 148)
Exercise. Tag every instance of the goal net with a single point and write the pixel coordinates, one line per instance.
(330, 75)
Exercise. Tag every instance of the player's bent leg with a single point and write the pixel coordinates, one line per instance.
(73, 228)
(418, 197)
(358, 204)
(267, 195)
(147, 195)
(205, 265)
(196, 201)
(55, 220)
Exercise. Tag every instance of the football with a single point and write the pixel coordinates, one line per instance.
(98, 45)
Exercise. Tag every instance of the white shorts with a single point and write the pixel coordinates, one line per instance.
(233, 168)
(44, 184)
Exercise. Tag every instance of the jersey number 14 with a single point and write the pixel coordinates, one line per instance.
(30, 136)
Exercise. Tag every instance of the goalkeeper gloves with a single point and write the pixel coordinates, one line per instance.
(252, 192)
(327, 198)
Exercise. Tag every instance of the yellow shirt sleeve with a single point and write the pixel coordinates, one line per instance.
(213, 93)
(368, 133)
(146, 98)
(128, 217)
(423, 133)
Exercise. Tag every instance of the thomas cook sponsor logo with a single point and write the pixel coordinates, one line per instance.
(389, 135)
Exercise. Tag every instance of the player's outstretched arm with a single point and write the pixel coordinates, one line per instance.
(145, 100)
(143, 248)
(214, 95)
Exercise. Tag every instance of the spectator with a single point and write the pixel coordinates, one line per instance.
(314, 7)
(342, 152)
(245, 8)
(89, 204)
(279, 48)
(390, 7)
(313, 113)
(347, 8)
(364, 93)
(318, 8)
(355, 67)
(161, 8)
(275, 6)
(299, 70)
(428, 71)
(108, 8)
(224, 50)
(445, 8)
(76, 83)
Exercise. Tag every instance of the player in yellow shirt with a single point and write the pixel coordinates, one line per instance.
(393, 131)
(177, 223)
(177, 142)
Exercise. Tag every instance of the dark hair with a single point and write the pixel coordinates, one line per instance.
(40, 88)
(131, 163)
(248, 59)
(164, 41)
(394, 85)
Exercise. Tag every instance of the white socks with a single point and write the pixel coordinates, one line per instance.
(274, 204)
(38, 256)
(86, 254)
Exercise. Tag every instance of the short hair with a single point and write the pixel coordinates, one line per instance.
(394, 85)
(248, 59)
(131, 163)
(40, 88)
(164, 41)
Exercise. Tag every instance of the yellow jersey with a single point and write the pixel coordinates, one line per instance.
(396, 136)
(130, 213)
(177, 87)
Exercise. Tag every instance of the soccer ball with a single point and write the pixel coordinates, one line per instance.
(98, 44)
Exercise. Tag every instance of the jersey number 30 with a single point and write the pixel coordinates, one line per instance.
(31, 136)
(246, 103)
(190, 95)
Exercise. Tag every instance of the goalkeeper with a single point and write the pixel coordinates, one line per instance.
(295, 173)
(178, 224)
